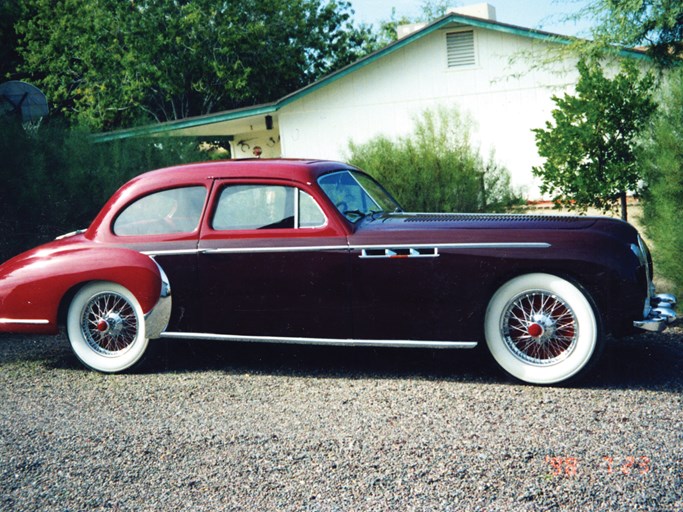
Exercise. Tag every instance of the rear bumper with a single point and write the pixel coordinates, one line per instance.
(659, 313)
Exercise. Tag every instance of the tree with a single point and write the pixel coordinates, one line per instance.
(9, 60)
(108, 64)
(436, 168)
(662, 162)
(430, 10)
(590, 145)
(655, 24)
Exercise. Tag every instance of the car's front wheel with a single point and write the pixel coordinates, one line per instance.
(542, 329)
(106, 327)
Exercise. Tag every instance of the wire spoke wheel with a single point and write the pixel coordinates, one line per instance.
(539, 328)
(109, 323)
(106, 327)
(542, 329)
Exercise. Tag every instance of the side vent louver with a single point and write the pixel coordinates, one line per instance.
(460, 49)
(400, 253)
(474, 217)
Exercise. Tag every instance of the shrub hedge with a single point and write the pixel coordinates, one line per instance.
(53, 179)
(436, 168)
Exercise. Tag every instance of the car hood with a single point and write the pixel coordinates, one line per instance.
(432, 221)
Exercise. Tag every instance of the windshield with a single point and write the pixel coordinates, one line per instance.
(357, 195)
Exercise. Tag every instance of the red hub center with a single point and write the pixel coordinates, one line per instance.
(535, 330)
(102, 325)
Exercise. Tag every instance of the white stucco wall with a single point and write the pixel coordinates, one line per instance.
(264, 144)
(504, 101)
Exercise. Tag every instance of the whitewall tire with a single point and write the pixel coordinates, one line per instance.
(542, 329)
(106, 327)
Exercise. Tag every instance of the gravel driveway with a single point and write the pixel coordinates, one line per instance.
(210, 426)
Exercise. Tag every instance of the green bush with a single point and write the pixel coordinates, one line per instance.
(663, 164)
(54, 179)
(436, 168)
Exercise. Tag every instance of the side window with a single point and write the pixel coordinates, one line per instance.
(254, 207)
(243, 207)
(310, 214)
(169, 211)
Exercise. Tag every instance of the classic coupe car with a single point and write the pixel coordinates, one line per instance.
(295, 251)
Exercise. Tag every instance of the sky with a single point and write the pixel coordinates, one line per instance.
(541, 14)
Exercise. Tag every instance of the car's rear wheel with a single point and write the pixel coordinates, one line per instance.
(106, 327)
(542, 329)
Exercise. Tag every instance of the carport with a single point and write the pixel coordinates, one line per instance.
(250, 131)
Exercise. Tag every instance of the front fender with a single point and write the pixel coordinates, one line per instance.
(33, 284)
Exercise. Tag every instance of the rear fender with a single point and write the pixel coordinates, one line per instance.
(34, 284)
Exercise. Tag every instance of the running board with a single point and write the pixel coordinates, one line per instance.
(319, 341)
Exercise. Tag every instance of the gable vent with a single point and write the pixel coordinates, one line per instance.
(460, 49)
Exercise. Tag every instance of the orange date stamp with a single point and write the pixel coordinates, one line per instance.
(629, 465)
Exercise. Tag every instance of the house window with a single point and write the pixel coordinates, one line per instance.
(460, 49)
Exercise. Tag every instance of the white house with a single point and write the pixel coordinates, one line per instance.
(486, 68)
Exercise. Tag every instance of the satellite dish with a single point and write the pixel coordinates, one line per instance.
(24, 100)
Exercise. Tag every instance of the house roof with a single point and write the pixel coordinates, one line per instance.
(216, 123)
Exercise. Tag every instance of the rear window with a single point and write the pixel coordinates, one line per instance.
(176, 210)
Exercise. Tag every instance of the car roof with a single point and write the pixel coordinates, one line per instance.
(298, 171)
(292, 169)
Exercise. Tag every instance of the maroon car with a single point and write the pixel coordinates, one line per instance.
(294, 251)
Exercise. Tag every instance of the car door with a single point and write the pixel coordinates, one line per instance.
(402, 291)
(164, 224)
(273, 263)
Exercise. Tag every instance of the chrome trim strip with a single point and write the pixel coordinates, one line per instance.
(313, 248)
(296, 192)
(170, 252)
(70, 234)
(337, 342)
(237, 250)
(24, 321)
(471, 245)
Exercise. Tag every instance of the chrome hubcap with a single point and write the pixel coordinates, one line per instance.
(539, 328)
(109, 324)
